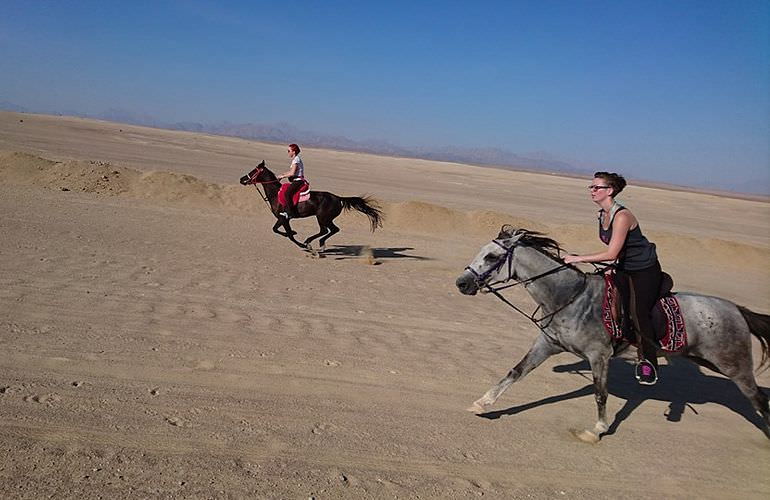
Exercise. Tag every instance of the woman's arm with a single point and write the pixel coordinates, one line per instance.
(289, 173)
(620, 227)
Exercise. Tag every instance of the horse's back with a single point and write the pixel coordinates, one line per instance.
(712, 321)
(696, 303)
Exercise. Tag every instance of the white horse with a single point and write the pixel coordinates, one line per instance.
(718, 331)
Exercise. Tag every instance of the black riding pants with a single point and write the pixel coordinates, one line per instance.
(640, 290)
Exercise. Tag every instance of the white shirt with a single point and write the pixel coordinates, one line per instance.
(300, 172)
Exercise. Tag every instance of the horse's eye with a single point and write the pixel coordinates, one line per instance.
(490, 257)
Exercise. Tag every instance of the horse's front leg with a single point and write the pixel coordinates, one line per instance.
(599, 367)
(281, 222)
(288, 232)
(542, 349)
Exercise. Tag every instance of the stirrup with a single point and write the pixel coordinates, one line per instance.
(649, 378)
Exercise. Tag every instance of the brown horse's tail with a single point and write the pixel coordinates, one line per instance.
(759, 326)
(366, 206)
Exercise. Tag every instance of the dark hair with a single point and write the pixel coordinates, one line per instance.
(294, 148)
(616, 181)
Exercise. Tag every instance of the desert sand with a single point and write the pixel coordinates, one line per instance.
(160, 341)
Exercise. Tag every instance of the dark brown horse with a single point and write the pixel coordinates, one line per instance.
(325, 206)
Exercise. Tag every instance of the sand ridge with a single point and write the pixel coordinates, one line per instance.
(105, 179)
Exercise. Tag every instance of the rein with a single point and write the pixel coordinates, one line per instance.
(261, 195)
(254, 183)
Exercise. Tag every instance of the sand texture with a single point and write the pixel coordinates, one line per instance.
(158, 340)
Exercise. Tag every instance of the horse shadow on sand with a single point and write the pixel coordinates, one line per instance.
(342, 252)
(680, 383)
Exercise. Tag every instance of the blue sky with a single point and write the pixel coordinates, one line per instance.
(673, 91)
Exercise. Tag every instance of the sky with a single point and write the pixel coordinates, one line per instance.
(670, 91)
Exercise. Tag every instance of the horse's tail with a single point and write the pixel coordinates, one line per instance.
(366, 206)
(759, 326)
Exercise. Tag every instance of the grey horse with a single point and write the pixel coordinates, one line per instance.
(569, 304)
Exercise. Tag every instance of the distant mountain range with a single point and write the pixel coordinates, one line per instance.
(9, 106)
(284, 132)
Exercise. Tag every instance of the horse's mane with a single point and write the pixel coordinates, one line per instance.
(536, 240)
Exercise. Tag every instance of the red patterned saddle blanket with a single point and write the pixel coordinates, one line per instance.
(302, 194)
(667, 319)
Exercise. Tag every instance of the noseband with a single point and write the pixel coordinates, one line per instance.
(508, 256)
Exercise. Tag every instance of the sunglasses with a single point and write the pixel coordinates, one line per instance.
(596, 188)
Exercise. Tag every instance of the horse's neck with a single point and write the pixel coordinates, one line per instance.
(551, 291)
(272, 186)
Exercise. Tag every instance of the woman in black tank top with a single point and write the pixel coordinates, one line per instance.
(638, 274)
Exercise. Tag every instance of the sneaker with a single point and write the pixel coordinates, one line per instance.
(284, 214)
(645, 373)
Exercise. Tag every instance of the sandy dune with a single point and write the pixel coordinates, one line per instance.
(160, 341)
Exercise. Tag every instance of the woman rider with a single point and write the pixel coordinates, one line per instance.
(638, 273)
(296, 176)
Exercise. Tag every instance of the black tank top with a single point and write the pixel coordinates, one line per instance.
(638, 253)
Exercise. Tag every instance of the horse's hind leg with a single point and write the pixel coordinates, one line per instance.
(541, 350)
(332, 231)
(748, 386)
(744, 379)
(323, 230)
(735, 361)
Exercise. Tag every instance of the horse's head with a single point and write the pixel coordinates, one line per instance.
(258, 175)
(494, 262)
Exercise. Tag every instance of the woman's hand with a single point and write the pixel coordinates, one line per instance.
(571, 259)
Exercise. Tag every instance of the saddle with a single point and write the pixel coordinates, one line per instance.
(667, 318)
(302, 194)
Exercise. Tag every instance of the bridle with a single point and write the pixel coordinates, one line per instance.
(508, 257)
(252, 180)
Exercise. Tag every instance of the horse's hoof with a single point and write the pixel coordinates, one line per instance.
(586, 436)
(476, 408)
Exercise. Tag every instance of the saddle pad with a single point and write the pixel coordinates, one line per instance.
(667, 319)
(302, 194)
(675, 338)
(611, 323)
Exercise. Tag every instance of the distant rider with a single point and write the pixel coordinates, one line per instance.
(296, 176)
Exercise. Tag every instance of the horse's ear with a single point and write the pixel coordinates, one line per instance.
(507, 231)
(262, 164)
